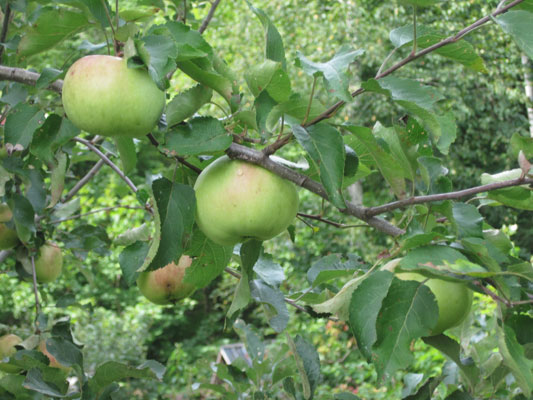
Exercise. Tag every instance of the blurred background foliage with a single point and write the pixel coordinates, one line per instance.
(116, 322)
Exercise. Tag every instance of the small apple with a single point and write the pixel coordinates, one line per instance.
(165, 285)
(53, 362)
(236, 200)
(7, 349)
(48, 263)
(102, 96)
(454, 300)
(8, 237)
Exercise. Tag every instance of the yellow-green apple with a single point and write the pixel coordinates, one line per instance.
(102, 96)
(8, 236)
(454, 300)
(7, 349)
(48, 263)
(165, 285)
(236, 200)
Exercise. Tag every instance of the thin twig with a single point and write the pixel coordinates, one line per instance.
(278, 144)
(315, 78)
(332, 223)
(330, 112)
(5, 26)
(446, 196)
(209, 16)
(108, 15)
(36, 293)
(83, 181)
(96, 211)
(108, 162)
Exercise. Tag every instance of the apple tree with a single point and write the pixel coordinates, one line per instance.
(211, 172)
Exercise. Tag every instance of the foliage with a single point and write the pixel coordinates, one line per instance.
(410, 120)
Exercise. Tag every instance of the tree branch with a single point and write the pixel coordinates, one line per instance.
(329, 222)
(83, 181)
(256, 157)
(330, 112)
(27, 77)
(182, 160)
(58, 221)
(5, 26)
(107, 161)
(446, 196)
(209, 16)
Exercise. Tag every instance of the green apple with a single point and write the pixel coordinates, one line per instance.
(454, 300)
(236, 200)
(7, 349)
(102, 96)
(48, 263)
(53, 361)
(8, 237)
(165, 285)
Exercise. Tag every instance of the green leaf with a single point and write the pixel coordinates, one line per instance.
(265, 294)
(390, 168)
(176, 205)
(36, 193)
(403, 89)
(514, 358)
(199, 136)
(131, 259)
(340, 303)
(518, 25)
(190, 43)
(97, 8)
(365, 304)
(132, 235)
(426, 391)
(65, 352)
(519, 142)
(14, 94)
(428, 260)
(325, 146)
(157, 53)
(517, 197)
(57, 180)
(264, 106)
(54, 133)
(113, 371)
(250, 252)
(21, 123)
(186, 103)
(468, 220)
(330, 267)
(241, 297)
(48, 75)
(431, 170)
(408, 312)
(34, 381)
(128, 154)
(311, 362)
(209, 260)
(297, 106)
(461, 51)
(333, 71)
(268, 271)
(269, 76)
(451, 349)
(274, 43)
(51, 27)
(23, 216)
(208, 77)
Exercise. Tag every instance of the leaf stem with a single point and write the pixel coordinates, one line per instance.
(209, 16)
(315, 78)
